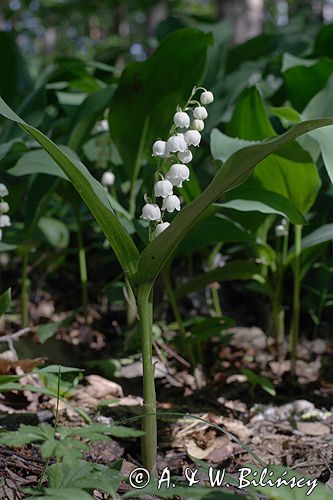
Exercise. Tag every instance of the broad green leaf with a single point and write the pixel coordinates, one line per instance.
(222, 146)
(236, 270)
(149, 92)
(232, 174)
(321, 235)
(87, 114)
(55, 231)
(289, 172)
(323, 42)
(6, 147)
(39, 162)
(44, 332)
(287, 114)
(267, 202)
(5, 299)
(304, 78)
(15, 81)
(213, 229)
(82, 474)
(92, 194)
(249, 120)
(321, 105)
(40, 189)
(7, 247)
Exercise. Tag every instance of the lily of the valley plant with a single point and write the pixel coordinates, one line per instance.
(141, 271)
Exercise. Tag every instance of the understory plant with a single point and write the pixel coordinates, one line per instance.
(142, 270)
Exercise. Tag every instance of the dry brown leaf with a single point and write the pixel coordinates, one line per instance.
(313, 428)
(26, 365)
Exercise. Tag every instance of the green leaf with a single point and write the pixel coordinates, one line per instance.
(86, 475)
(289, 172)
(236, 270)
(55, 231)
(5, 300)
(233, 173)
(58, 369)
(304, 78)
(256, 379)
(321, 235)
(266, 202)
(63, 494)
(39, 162)
(87, 114)
(287, 114)
(92, 194)
(150, 91)
(284, 491)
(120, 431)
(215, 228)
(47, 331)
(320, 105)
(249, 120)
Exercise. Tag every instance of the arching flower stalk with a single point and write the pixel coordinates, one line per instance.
(173, 155)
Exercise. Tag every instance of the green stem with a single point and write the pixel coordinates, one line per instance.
(277, 307)
(83, 266)
(216, 302)
(149, 426)
(25, 286)
(294, 332)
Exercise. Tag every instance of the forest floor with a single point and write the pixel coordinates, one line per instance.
(238, 422)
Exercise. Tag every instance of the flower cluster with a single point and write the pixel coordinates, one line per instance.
(175, 152)
(4, 208)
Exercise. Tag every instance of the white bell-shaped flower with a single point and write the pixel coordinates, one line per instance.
(159, 148)
(181, 119)
(185, 156)
(4, 221)
(171, 203)
(3, 191)
(206, 97)
(200, 113)
(161, 227)
(108, 179)
(198, 125)
(176, 143)
(163, 188)
(192, 137)
(178, 174)
(4, 207)
(151, 211)
(281, 230)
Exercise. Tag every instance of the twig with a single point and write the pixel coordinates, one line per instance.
(173, 353)
(14, 336)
